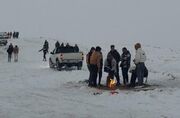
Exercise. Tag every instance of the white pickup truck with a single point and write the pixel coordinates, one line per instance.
(65, 57)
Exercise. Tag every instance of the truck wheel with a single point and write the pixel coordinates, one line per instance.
(51, 65)
(58, 65)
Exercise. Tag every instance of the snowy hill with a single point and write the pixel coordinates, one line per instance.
(29, 88)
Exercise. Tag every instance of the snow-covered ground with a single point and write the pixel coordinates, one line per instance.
(30, 89)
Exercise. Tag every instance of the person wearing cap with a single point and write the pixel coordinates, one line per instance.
(117, 57)
(95, 64)
(125, 64)
(140, 58)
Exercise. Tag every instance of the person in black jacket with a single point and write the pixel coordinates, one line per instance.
(57, 44)
(10, 51)
(125, 64)
(117, 57)
(45, 49)
(100, 70)
(76, 48)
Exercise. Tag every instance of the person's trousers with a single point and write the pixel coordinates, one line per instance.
(9, 57)
(15, 57)
(125, 75)
(140, 72)
(100, 76)
(117, 74)
(93, 75)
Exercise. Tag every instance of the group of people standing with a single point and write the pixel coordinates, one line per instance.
(113, 61)
(14, 35)
(66, 48)
(59, 48)
(13, 50)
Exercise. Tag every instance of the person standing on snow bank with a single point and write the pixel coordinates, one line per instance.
(117, 57)
(140, 58)
(10, 51)
(125, 64)
(16, 51)
(45, 49)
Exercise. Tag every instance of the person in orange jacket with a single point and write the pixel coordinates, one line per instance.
(95, 65)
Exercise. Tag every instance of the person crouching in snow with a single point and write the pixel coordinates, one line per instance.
(16, 51)
(110, 67)
(139, 60)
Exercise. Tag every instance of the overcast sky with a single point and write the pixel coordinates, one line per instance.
(146, 21)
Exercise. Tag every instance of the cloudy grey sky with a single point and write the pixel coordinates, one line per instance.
(147, 21)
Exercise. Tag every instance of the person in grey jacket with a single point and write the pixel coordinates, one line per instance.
(110, 67)
(140, 58)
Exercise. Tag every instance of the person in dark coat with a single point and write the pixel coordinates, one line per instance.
(10, 51)
(100, 70)
(45, 49)
(57, 44)
(125, 64)
(14, 35)
(17, 35)
(76, 48)
(117, 57)
(133, 71)
(16, 51)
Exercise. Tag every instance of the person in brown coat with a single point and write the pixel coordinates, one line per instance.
(88, 56)
(95, 65)
(16, 51)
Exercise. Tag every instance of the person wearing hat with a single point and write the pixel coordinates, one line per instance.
(117, 57)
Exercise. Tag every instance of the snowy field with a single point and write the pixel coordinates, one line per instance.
(30, 89)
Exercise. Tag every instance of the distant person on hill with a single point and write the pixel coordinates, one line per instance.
(17, 35)
(16, 51)
(10, 35)
(14, 35)
(10, 51)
